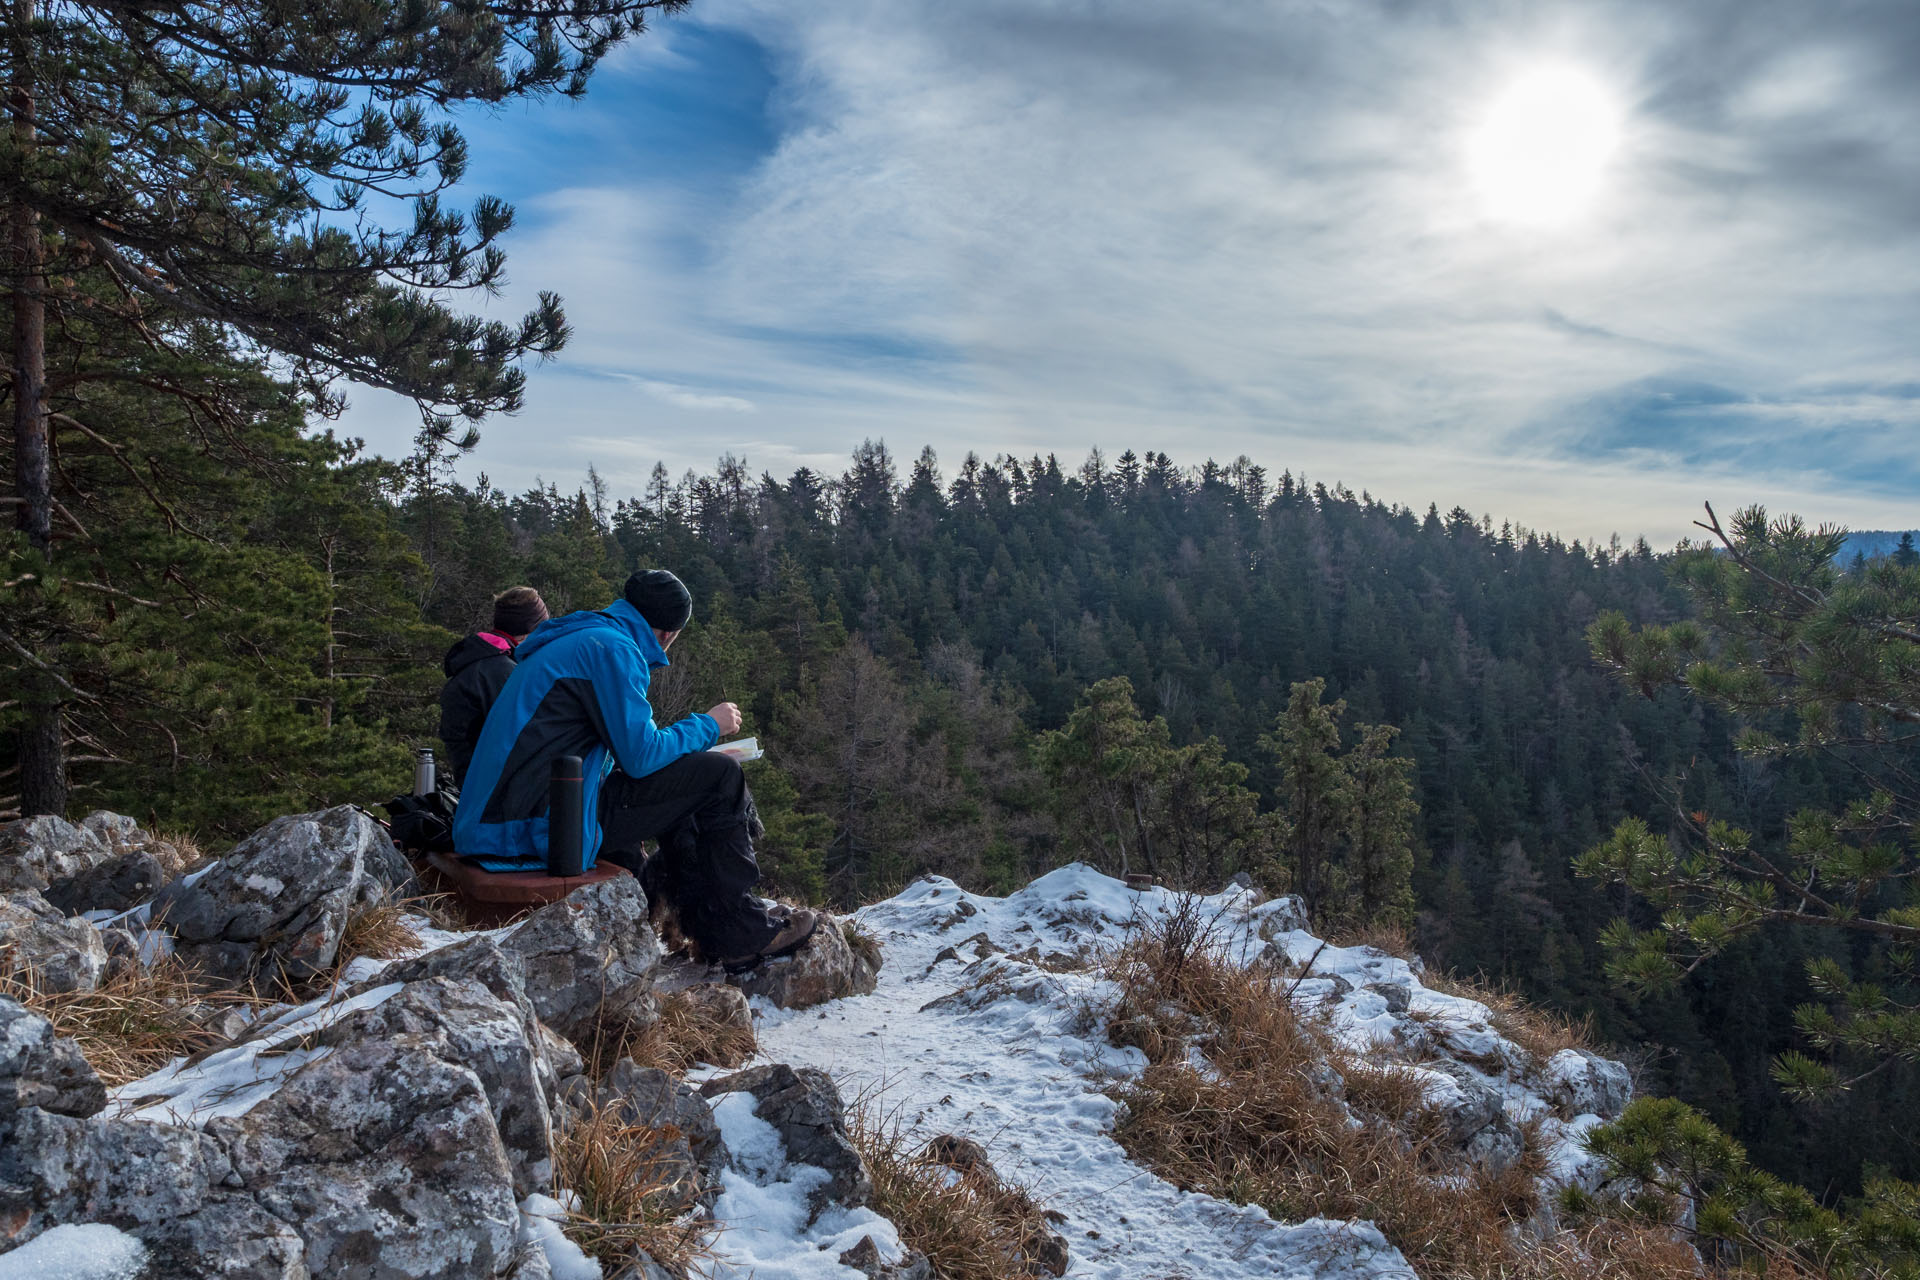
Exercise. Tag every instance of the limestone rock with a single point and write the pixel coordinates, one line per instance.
(805, 1108)
(131, 1174)
(278, 904)
(61, 953)
(118, 832)
(39, 1069)
(121, 881)
(826, 968)
(864, 1257)
(1581, 1083)
(36, 852)
(492, 1037)
(231, 1238)
(385, 1160)
(1282, 915)
(692, 1153)
(588, 955)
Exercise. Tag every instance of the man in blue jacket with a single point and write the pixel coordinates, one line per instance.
(580, 688)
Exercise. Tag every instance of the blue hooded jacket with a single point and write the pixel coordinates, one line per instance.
(580, 688)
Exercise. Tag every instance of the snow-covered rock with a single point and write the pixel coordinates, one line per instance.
(805, 1109)
(60, 953)
(37, 852)
(1582, 1083)
(278, 904)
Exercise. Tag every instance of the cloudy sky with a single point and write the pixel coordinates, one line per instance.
(1578, 265)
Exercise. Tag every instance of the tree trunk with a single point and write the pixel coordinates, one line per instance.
(43, 773)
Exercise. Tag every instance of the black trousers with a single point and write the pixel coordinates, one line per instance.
(696, 808)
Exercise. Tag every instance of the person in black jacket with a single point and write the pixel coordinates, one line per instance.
(477, 668)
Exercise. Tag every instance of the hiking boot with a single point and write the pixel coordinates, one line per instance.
(799, 928)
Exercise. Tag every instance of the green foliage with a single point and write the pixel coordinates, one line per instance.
(1128, 799)
(230, 619)
(1348, 822)
(1814, 663)
(1667, 1163)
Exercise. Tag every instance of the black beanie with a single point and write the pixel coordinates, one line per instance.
(662, 599)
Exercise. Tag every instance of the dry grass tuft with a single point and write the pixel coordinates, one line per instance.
(970, 1224)
(1381, 936)
(379, 933)
(1267, 1125)
(862, 941)
(443, 911)
(682, 1037)
(138, 1020)
(631, 1198)
(1541, 1033)
(177, 853)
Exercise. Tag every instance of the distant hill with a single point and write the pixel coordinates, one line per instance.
(1873, 542)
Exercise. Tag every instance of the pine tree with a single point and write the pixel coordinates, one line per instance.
(1816, 663)
(216, 163)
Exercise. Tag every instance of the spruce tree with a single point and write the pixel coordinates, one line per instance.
(1305, 745)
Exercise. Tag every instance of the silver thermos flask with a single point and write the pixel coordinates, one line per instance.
(423, 781)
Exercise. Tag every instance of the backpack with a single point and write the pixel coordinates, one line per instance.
(422, 824)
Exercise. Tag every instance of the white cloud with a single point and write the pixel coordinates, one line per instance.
(683, 398)
(1044, 225)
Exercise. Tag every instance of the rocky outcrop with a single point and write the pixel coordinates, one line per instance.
(277, 906)
(460, 1021)
(384, 1158)
(54, 952)
(589, 956)
(826, 968)
(805, 1109)
(1582, 1083)
(39, 1069)
(38, 852)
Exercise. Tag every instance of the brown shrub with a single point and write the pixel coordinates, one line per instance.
(682, 1037)
(1267, 1124)
(379, 933)
(629, 1196)
(969, 1223)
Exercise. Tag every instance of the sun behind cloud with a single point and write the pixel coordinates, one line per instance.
(1541, 151)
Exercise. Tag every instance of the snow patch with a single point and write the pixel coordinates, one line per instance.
(764, 1206)
(540, 1219)
(76, 1251)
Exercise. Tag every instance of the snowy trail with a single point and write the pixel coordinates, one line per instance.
(994, 1049)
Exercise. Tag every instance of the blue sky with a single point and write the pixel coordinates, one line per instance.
(1262, 228)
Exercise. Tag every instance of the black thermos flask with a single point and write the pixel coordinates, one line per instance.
(563, 818)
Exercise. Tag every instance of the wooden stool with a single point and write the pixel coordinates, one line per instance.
(495, 897)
